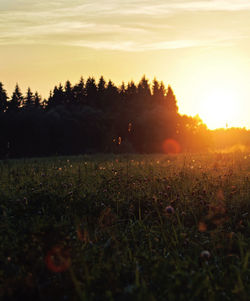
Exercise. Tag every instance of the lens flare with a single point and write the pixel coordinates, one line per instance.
(58, 259)
(171, 146)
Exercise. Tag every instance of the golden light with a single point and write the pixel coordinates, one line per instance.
(218, 107)
(170, 146)
(216, 89)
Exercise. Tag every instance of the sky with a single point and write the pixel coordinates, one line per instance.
(201, 48)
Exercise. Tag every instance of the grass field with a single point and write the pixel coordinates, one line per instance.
(126, 227)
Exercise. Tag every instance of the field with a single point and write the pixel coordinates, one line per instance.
(125, 227)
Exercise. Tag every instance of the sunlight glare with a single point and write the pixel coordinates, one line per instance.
(218, 107)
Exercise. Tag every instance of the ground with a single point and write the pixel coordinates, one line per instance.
(119, 227)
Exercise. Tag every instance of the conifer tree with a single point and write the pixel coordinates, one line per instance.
(144, 88)
(29, 99)
(158, 91)
(37, 100)
(101, 88)
(79, 92)
(16, 100)
(122, 91)
(131, 90)
(170, 101)
(58, 95)
(91, 91)
(69, 95)
(3, 98)
(111, 95)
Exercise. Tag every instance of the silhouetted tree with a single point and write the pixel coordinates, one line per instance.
(79, 92)
(131, 92)
(3, 98)
(37, 100)
(101, 86)
(122, 92)
(29, 99)
(111, 96)
(159, 92)
(91, 92)
(101, 91)
(69, 93)
(170, 101)
(58, 97)
(16, 100)
(87, 117)
(143, 88)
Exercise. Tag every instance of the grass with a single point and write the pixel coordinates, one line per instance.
(125, 227)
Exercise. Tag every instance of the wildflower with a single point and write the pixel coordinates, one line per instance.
(169, 210)
(205, 255)
(202, 227)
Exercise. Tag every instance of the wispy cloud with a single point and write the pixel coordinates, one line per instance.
(132, 46)
(131, 25)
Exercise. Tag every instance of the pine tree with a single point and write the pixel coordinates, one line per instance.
(131, 91)
(158, 91)
(101, 86)
(16, 100)
(29, 99)
(111, 89)
(37, 100)
(162, 91)
(156, 87)
(79, 92)
(170, 101)
(58, 95)
(144, 88)
(122, 91)
(111, 95)
(3, 98)
(68, 93)
(91, 91)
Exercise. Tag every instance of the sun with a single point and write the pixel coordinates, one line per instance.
(218, 107)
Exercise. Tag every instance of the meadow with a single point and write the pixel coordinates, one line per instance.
(125, 227)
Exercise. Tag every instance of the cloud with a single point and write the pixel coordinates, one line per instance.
(132, 46)
(131, 25)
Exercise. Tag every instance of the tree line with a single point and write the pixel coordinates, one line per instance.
(98, 116)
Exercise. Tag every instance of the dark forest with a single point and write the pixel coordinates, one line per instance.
(97, 116)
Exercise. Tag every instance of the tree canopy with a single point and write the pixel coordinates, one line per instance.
(98, 116)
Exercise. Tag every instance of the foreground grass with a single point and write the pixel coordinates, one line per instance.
(126, 228)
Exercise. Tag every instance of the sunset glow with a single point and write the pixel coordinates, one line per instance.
(218, 108)
(200, 48)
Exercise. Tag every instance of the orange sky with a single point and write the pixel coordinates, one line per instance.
(201, 48)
